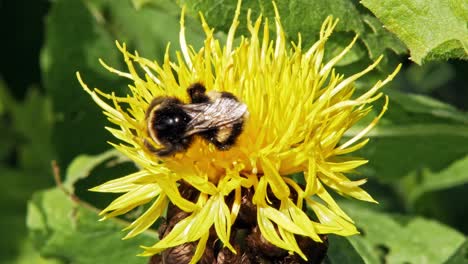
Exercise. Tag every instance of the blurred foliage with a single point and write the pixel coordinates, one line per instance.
(25, 155)
(68, 230)
(418, 167)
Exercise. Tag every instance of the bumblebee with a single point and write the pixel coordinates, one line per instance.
(217, 117)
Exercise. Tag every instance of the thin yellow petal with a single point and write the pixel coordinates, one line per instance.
(147, 219)
(222, 221)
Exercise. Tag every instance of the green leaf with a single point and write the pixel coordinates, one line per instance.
(64, 227)
(68, 230)
(461, 256)
(306, 17)
(439, 194)
(341, 251)
(397, 239)
(33, 120)
(428, 78)
(14, 191)
(5, 97)
(28, 254)
(88, 171)
(81, 167)
(416, 132)
(26, 127)
(140, 3)
(167, 5)
(433, 30)
(421, 104)
(427, 181)
(8, 137)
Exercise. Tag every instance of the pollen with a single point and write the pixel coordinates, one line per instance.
(299, 109)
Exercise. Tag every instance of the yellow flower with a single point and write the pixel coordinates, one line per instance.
(299, 109)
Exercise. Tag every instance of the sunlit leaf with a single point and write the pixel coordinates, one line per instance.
(398, 239)
(66, 229)
(433, 30)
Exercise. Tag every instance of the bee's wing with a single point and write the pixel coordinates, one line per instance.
(205, 116)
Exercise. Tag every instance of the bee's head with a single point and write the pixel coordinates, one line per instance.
(168, 122)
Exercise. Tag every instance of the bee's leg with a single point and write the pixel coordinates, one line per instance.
(162, 152)
(170, 147)
(167, 151)
(149, 146)
(197, 93)
(177, 146)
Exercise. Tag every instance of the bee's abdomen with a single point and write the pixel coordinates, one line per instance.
(224, 137)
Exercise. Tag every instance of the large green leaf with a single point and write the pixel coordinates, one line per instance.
(461, 256)
(28, 254)
(433, 30)
(87, 171)
(428, 181)
(82, 166)
(439, 194)
(341, 251)
(306, 17)
(65, 229)
(397, 239)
